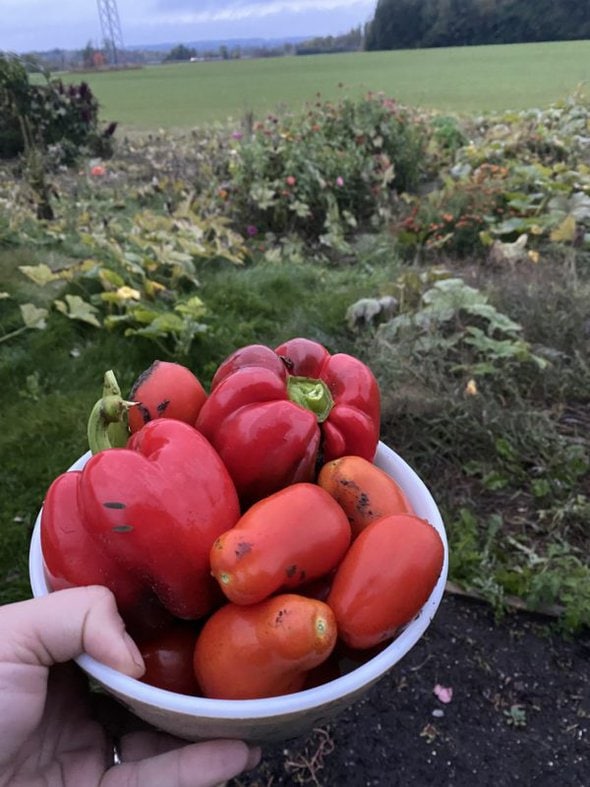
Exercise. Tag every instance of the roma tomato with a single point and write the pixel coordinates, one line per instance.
(168, 659)
(165, 390)
(364, 491)
(265, 649)
(385, 578)
(281, 542)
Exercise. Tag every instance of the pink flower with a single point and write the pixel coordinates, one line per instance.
(340, 181)
(290, 180)
(98, 171)
(237, 135)
(251, 230)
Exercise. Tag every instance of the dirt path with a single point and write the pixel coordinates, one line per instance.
(519, 714)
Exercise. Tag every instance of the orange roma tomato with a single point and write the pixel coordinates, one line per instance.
(285, 540)
(364, 491)
(165, 390)
(385, 578)
(265, 649)
(168, 659)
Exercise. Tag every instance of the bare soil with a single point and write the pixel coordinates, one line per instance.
(519, 713)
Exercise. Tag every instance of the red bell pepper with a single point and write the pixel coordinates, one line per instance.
(274, 415)
(141, 520)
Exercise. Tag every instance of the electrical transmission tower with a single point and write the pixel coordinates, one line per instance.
(111, 31)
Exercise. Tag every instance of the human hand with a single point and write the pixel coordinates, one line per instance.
(48, 734)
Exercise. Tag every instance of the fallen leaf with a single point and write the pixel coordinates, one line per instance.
(566, 230)
(471, 388)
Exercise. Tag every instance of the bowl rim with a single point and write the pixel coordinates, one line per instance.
(334, 691)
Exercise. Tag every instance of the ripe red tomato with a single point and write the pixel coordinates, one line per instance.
(385, 578)
(165, 390)
(265, 649)
(364, 491)
(285, 540)
(168, 659)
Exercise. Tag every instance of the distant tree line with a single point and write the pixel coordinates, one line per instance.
(224, 52)
(352, 41)
(403, 24)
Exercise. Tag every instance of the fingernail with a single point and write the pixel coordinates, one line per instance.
(253, 757)
(133, 651)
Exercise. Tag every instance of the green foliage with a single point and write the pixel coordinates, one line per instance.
(483, 368)
(520, 183)
(139, 274)
(556, 579)
(486, 391)
(352, 41)
(397, 24)
(14, 104)
(458, 326)
(326, 172)
(180, 52)
(48, 114)
(447, 132)
(400, 24)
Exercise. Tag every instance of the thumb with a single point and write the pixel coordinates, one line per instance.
(63, 625)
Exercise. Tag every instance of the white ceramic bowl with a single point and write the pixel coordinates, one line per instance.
(277, 718)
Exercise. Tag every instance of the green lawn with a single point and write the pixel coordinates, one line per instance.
(465, 79)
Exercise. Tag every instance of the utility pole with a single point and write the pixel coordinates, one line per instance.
(111, 31)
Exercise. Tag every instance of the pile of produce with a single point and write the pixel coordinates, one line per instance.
(250, 542)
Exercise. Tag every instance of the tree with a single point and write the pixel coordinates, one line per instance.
(88, 55)
(180, 52)
(397, 24)
(400, 24)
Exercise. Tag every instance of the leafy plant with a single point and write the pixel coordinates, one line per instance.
(48, 114)
(325, 172)
(140, 275)
(522, 175)
(186, 245)
(516, 716)
(32, 317)
(457, 323)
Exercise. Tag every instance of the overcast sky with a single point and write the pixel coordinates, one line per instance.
(27, 25)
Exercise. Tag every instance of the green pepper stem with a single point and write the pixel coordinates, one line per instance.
(107, 423)
(312, 394)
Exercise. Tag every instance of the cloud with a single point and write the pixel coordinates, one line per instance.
(37, 24)
(183, 11)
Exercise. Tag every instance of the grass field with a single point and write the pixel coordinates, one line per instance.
(467, 79)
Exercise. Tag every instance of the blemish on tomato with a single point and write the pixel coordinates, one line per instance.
(363, 501)
(291, 571)
(122, 528)
(113, 504)
(279, 616)
(242, 549)
(162, 406)
(144, 412)
(145, 375)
